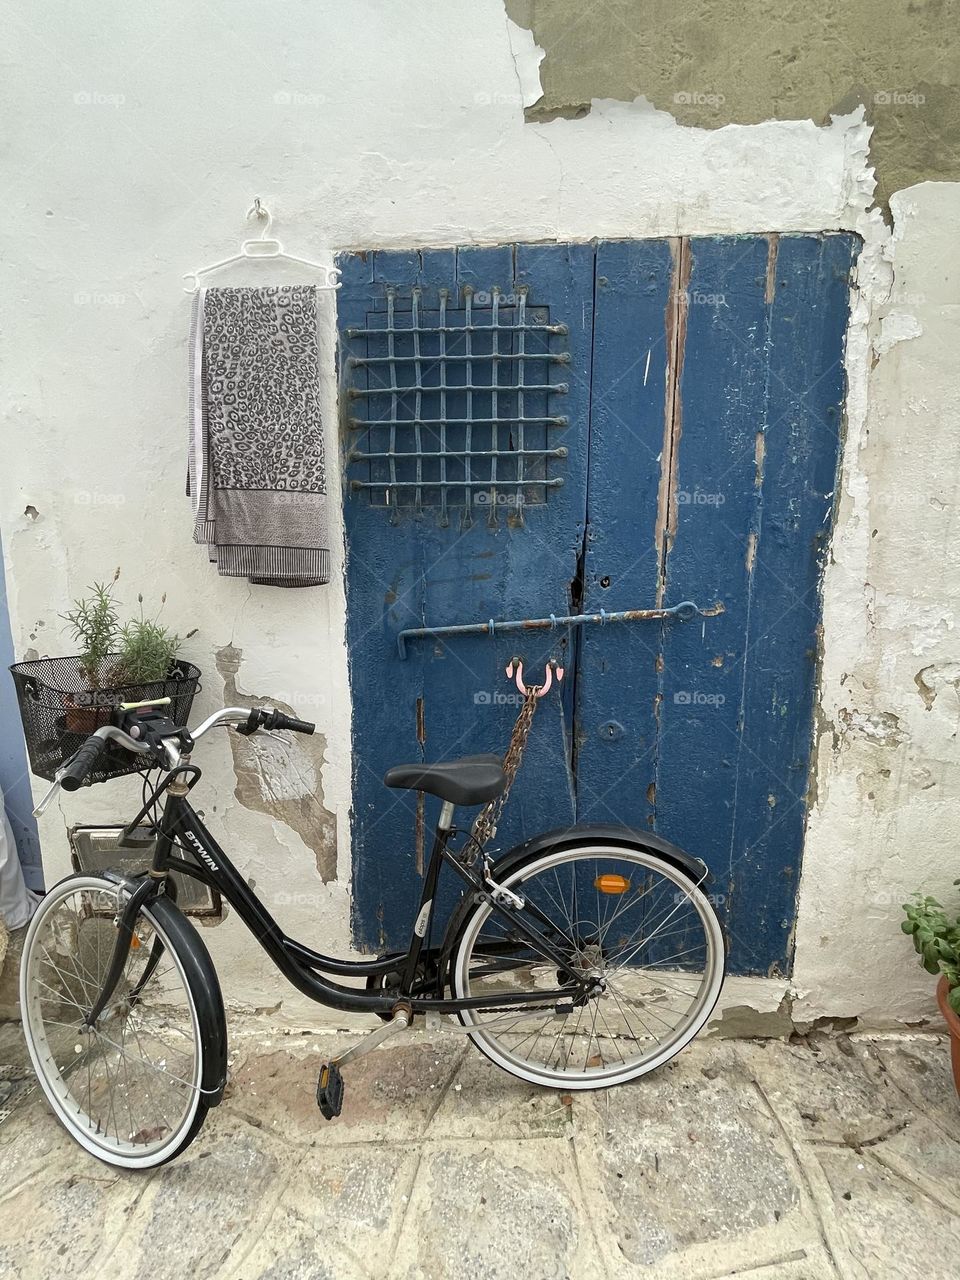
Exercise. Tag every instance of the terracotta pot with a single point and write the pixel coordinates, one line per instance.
(953, 1026)
(85, 719)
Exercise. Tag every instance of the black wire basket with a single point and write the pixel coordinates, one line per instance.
(60, 708)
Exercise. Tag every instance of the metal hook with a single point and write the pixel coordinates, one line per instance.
(552, 668)
(263, 214)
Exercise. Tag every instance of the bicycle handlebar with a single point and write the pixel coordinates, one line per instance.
(264, 718)
(74, 773)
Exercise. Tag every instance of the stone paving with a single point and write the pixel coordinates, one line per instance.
(828, 1156)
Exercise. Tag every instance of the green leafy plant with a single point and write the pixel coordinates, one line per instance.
(141, 649)
(146, 648)
(95, 626)
(936, 938)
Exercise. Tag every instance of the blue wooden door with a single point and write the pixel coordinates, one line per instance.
(536, 430)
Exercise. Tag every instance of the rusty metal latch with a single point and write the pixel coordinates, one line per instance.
(683, 611)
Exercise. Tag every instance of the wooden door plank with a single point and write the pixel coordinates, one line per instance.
(762, 369)
(798, 464)
(617, 680)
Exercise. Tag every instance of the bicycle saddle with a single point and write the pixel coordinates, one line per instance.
(471, 780)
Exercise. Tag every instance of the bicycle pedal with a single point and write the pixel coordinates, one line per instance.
(330, 1091)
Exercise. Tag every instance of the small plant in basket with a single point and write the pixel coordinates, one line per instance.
(146, 649)
(95, 624)
(63, 700)
(114, 656)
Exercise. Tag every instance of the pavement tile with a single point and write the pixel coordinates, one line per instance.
(496, 1211)
(688, 1158)
(920, 1068)
(32, 1139)
(356, 1195)
(485, 1102)
(800, 1264)
(198, 1210)
(65, 1212)
(892, 1230)
(831, 1087)
(390, 1093)
(291, 1249)
(924, 1154)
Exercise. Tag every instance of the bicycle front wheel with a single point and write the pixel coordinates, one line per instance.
(128, 1088)
(629, 919)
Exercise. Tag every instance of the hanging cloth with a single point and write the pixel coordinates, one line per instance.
(256, 467)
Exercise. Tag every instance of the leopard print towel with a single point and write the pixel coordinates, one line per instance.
(256, 472)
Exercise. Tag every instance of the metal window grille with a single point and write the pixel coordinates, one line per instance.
(456, 406)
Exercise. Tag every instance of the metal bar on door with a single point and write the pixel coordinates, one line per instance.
(683, 612)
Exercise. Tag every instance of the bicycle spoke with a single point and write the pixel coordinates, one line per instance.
(128, 1083)
(641, 969)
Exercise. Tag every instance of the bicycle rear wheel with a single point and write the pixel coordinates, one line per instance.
(642, 928)
(129, 1088)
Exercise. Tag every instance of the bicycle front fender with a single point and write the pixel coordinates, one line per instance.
(205, 987)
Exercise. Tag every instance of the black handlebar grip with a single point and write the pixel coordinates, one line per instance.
(295, 726)
(74, 772)
(264, 718)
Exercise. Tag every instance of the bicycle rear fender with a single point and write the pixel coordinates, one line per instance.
(566, 838)
(205, 985)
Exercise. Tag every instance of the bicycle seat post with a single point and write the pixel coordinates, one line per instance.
(445, 821)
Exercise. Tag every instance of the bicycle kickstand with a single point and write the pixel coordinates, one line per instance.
(330, 1082)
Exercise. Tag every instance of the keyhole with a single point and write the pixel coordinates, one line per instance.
(604, 582)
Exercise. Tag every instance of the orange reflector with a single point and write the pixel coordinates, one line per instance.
(612, 884)
(134, 942)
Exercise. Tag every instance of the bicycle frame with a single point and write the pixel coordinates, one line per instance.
(307, 969)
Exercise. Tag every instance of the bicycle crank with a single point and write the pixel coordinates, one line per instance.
(330, 1082)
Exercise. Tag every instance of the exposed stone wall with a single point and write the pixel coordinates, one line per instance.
(744, 61)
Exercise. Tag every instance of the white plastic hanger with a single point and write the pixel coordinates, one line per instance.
(263, 247)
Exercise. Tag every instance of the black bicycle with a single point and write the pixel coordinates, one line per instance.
(580, 959)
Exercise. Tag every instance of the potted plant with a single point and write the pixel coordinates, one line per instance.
(936, 938)
(94, 625)
(146, 650)
(63, 700)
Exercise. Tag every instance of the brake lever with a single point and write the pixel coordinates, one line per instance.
(281, 735)
(38, 811)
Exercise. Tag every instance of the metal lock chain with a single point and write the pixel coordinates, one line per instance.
(485, 825)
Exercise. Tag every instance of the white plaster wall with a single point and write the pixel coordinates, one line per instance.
(135, 138)
(887, 816)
